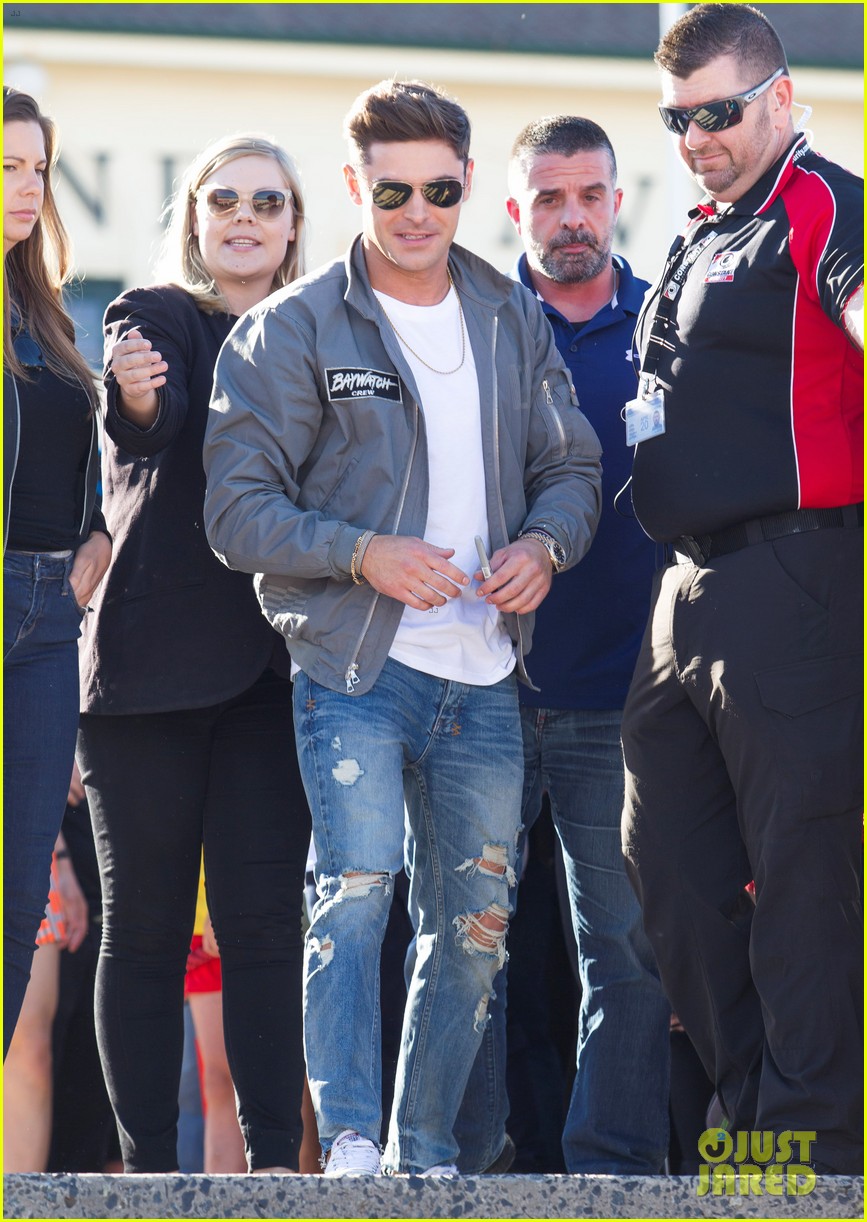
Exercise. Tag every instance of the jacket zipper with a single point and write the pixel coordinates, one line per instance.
(90, 457)
(14, 461)
(496, 423)
(520, 644)
(555, 416)
(352, 676)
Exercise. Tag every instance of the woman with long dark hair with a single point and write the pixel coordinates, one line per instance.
(186, 738)
(56, 547)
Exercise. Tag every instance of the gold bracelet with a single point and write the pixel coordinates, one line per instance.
(357, 577)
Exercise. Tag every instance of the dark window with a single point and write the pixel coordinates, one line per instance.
(86, 301)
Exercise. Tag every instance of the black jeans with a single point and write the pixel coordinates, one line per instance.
(83, 1132)
(160, 786)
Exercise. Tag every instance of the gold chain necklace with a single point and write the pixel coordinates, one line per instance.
(442, 372)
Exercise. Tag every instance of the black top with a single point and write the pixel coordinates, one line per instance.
(53, 446)
(763, 389)
(39, 465)
(173, 627)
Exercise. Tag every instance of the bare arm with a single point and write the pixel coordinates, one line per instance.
(75, 909)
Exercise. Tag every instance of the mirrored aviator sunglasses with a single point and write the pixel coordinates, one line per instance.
(714, 116)
(389, 193)
(266, 204)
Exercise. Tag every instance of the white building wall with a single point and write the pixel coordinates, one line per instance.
(128, 107)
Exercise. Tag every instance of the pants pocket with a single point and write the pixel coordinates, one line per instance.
(819, 704)
(69, 593)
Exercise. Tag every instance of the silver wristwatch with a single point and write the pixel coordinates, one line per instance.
(556, 553)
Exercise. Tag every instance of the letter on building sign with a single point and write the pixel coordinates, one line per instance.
(93, 200)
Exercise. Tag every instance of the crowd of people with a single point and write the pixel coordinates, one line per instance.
(390, 553)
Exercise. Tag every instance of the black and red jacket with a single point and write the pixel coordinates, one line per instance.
(763, 389)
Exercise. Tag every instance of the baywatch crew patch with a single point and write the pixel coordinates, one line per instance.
(355, 383)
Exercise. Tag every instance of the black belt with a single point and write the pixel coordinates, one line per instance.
(701, 548)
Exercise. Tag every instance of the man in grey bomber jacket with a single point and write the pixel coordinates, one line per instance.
(369, 423)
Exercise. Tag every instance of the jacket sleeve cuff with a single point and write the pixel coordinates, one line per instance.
(342, 547)
(549, 528)
(123, 429)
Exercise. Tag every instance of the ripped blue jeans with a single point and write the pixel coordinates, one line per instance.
(445, 760)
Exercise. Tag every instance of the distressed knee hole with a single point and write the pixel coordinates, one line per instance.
(494, 862)
(324, 948)
(481, 1018)
(356, 883)
(347, 772)
(484, 933)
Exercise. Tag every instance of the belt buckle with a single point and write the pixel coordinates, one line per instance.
(692, 548)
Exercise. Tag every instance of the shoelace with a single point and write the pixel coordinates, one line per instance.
(352, 1152)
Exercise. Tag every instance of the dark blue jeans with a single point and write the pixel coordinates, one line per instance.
(618, 1114)
(41, 626)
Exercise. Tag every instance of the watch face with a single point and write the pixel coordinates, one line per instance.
(556, 553)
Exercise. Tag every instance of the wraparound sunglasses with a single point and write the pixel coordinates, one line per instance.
(714, 116)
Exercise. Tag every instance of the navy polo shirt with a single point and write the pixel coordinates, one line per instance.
(589, 628)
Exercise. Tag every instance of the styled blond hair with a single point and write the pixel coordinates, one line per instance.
(181, 261)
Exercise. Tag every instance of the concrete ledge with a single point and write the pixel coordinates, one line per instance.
(493, 1196)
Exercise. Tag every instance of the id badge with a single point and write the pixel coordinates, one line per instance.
(644, 418)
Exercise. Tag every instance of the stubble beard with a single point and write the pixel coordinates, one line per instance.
(715, 182)
(574, 268)
(718, 182)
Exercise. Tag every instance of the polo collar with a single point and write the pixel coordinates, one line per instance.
(628, 297)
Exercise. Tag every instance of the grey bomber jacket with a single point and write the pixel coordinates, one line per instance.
(316, 434)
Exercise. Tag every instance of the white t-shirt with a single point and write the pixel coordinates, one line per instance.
(465, 640)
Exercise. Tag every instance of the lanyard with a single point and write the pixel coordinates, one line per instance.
(677, 266)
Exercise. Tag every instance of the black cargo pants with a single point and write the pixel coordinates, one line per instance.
(742, 739)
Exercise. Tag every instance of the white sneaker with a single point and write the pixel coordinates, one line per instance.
(444, 1169)
(353, 1154)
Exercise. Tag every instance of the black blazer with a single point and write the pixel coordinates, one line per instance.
(172, 627)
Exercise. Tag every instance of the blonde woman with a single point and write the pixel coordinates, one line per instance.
(186, 737)
(55, 544)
